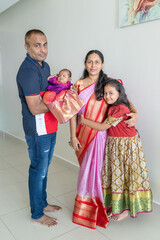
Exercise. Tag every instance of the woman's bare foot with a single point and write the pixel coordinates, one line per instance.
(52, 208)
(46, 221)
(120, 217)
(109, 212)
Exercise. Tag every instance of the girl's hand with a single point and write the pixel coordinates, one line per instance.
(80, 119)
(133, 119)
(75, 144)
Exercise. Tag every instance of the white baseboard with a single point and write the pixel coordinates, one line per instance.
(65, 160)
(12, 135)
(158, 203)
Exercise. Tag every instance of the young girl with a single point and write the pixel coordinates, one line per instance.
(61, 99)
(125, 179)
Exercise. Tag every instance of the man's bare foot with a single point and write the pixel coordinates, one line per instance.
(120, 217)
(52, 208)
(46, 221)
(109, 212)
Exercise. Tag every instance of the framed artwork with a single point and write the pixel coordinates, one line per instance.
(138, 11)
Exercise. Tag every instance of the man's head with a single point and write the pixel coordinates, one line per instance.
(36, 45)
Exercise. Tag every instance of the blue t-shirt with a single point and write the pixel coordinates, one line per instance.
(32, 80)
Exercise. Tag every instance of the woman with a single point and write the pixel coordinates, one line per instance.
(89, 144)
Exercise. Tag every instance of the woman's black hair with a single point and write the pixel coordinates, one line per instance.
(119, 87)
(102, 75)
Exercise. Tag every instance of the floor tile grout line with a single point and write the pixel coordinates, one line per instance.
(13, 211)
(63, 194)
(104, 234)
(8, 229)
(56, 198)
(8, 186)
(75, 190)
(14, 165)
(11, 185)
(65, 233)
(21, 172)
(64, 204)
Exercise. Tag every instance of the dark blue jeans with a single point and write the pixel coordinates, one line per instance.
(40, 150)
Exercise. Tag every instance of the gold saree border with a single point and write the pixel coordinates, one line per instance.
(95, 111)
(89, 213)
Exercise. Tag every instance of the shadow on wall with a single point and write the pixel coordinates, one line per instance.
(1, 90)
(0, 69)
(11, 51)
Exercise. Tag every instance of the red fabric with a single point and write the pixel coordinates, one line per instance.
(89, 213)
(51, 122)
(95, 111)
(49, 97)
(121, 129)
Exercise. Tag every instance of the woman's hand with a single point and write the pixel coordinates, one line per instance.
(133, 119)
(75, 144)
(73, 88)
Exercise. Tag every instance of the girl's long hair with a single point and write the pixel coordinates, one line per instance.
(102, 76)
(119, 87)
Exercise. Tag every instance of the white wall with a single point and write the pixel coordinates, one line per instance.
(6, 4)
(73, 27)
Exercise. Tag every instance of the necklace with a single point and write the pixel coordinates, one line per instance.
(91, 81)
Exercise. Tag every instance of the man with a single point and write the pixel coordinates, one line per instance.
(39, 124)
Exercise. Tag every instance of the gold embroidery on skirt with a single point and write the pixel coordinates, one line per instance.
(125, 172)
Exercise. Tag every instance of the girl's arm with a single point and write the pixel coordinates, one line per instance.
(92, 124)
(134, 115)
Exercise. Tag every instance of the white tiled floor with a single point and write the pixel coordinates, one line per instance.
(15, 221)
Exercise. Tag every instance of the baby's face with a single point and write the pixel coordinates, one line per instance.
(64, 77)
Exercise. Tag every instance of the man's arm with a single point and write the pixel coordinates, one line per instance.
(36, 105)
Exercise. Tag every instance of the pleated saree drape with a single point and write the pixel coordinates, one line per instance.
(89, 209)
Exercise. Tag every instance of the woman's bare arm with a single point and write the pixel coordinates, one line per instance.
(74, 142)
(133, 116)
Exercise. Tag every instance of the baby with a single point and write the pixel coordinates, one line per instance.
(60, 82)
(61, 98)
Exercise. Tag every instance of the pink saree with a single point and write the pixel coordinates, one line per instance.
(89, 209)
